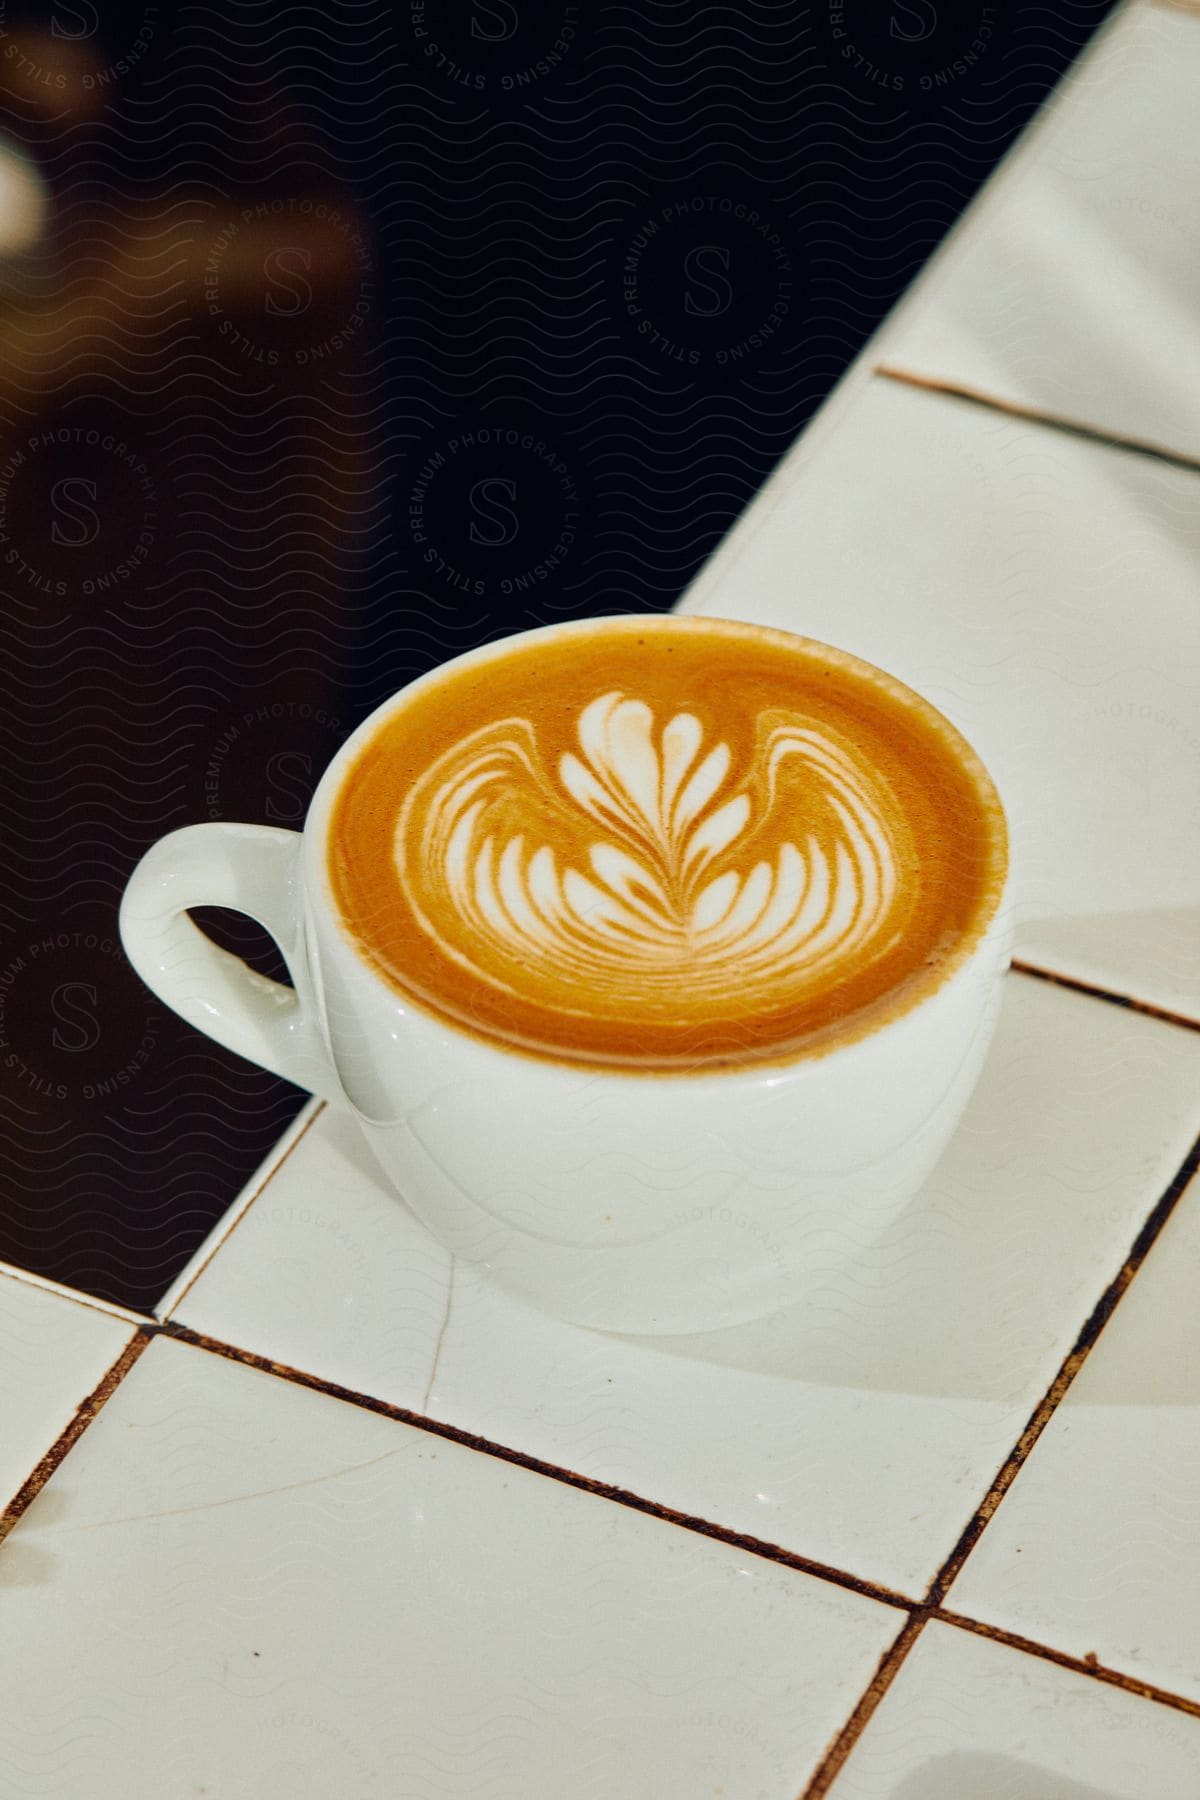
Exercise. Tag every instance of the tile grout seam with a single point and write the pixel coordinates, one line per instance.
(1065, 1659)
(88, 1409)
(918, 1613)
(1033, 415)
(603, 1490)
(1093, 991)
(844, 1739)
(931, 1607)
(1103, 1309)
(1087, 1337)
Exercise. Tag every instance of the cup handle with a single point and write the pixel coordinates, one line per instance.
(253, 869)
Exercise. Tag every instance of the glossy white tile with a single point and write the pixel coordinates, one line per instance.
(1096, 1548)
(1069, 286)
(860, 1430)
(969, 1719)
(239, 1587)
(1042, 591)
(53, 1351)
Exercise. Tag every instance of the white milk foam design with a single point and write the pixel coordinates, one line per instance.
(687, 888)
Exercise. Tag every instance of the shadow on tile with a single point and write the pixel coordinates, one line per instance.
(944, 1304)
(966, 1291)
(995, 1266)
(974, 1294)
(983, 1777)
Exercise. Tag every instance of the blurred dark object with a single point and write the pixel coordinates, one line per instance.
(180, 489)
(457, 320)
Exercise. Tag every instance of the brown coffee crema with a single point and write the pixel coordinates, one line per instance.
(665, 843)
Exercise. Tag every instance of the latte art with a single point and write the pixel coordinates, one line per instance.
(646, 864)
(663, 844)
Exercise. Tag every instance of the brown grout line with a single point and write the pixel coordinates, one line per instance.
(919, 1613)
(265, 1183)
(604, 1490)
(831, 1764)
(1091, 434)
(1079, 1665)
(1072, 1363)
(1100, 993)
(838, 1753)
(931, 1607)
(67, 1439)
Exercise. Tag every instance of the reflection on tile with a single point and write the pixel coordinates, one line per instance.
(968, 1719)
(1042, 591)
(1096, 1548)
(1071, 285)
(860, 1429)
(251, 1590)
(52, 1354)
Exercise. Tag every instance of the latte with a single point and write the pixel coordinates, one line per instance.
(665, 843)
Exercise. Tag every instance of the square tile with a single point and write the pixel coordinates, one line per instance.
(968, 1719)
(239, 1587)
(1041, 591)
(1070, 285)
(1096, 1547)
(861, 1429)
(53, 1352)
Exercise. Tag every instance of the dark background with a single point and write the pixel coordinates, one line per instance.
(355, 338)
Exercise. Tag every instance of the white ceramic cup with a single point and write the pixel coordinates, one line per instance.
(635, 1202)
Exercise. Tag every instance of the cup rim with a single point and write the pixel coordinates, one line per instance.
(916, 994)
